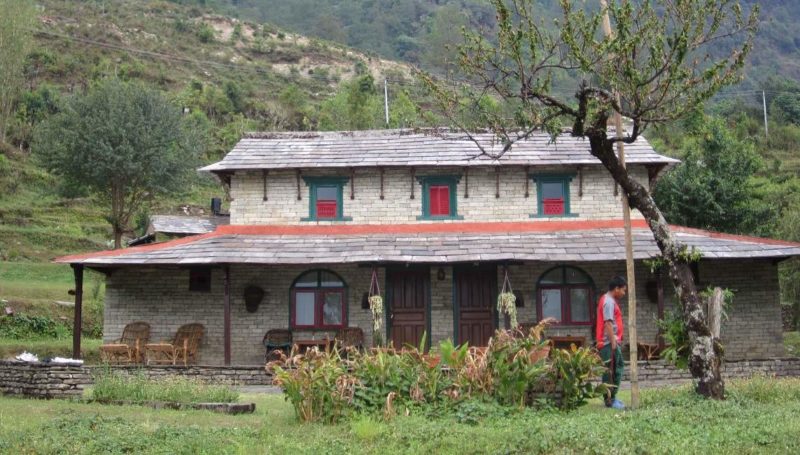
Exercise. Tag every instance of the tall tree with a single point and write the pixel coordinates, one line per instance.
(657, 60)
(123, 142)
(16, 24)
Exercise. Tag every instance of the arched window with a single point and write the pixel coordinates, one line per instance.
(319, 301)
(565, 294)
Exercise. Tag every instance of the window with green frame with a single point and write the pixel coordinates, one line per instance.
(325, 198)
(552, 195)
(439, 197)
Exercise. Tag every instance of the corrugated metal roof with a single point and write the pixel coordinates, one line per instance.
(186, 225)
(429, 147)
(535, 241)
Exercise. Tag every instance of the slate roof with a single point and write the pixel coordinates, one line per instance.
(427, 147)
(186, 225)
(427, 243)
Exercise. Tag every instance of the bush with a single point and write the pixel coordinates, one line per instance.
(205, 33)
(113, 386)
(20, 326)
(509, 372)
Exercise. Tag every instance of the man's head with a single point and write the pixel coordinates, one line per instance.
(617, 287)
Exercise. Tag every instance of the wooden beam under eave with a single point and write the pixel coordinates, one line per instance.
(227, 315)
(77, 270)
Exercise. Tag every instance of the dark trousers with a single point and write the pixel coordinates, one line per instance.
(618, 368)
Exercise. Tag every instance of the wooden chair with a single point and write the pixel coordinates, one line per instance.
(277, 340)
(183, 347)
(129, 348)
(350, 337)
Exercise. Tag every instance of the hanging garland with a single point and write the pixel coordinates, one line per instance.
(507, 301)
(375, 303)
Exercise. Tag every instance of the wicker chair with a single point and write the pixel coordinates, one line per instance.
(183, 347)
(129, 348)
(350, 337)
(277, 340)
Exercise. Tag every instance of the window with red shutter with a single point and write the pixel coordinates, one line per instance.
(439, 198)
(326, 202)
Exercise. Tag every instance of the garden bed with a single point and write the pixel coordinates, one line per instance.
(223, 408)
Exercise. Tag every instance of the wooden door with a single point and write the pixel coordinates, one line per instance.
(408, 293)
(476, 300)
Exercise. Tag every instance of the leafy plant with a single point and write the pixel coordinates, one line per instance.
(22, 326)
(676, 338)
(572, 372)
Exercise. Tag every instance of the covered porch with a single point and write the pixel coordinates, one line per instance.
(440, 282)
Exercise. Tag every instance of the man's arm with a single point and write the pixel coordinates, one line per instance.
(609, 329)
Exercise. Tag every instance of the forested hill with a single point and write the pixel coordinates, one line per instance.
(414, 30)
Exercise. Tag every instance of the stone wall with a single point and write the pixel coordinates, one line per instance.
(161, 298)
(660, 371)
(282, 207)
(43, 380)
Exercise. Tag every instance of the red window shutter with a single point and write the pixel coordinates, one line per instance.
(439, 198)
(326, 209)
(553, 206)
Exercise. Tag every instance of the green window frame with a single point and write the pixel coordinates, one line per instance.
(541, 180)
(315, 183)
(439, 180)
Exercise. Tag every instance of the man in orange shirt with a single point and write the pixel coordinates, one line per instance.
(609, 332)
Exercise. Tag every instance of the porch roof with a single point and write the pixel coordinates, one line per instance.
(562, 241)
(419, 147)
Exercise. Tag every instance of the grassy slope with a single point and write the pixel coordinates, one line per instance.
(760, 417)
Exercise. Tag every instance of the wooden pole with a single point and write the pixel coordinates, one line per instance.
(227, 315)
(629, 265)
(77, 270)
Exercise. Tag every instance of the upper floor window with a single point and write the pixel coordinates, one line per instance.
(318, 301)
(439, 201)
(552, 195)
(325, 201)
(565, 294)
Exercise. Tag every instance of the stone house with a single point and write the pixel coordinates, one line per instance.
(315, 216)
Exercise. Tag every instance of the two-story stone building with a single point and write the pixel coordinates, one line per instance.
(314, 215)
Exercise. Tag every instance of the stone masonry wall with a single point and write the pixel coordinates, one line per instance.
(282, 207)
(42, 380)
(161, 298)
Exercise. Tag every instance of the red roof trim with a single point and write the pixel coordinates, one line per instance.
(420, 228)
(738, 238)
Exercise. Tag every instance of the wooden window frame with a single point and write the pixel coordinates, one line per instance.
(319, 292)
(564, 180)
(450, 181)
(315, 183)
(196, 279)
(565, 288)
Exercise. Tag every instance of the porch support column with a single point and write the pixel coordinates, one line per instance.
(660, 299)
(227, 314)
(77, 270)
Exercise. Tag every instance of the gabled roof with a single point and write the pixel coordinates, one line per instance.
(562, 241)
(426, 147)
(185, 225)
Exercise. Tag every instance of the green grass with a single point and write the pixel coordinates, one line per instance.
(112, 386)
(791, 340)
(90, 348)
(759, 417)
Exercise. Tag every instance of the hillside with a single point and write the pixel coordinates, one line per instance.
(235, 73)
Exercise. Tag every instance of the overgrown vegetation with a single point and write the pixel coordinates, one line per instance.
(759, 417)
(112, 386)
(513, 371)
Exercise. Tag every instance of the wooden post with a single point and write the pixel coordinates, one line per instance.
(626, 215)
(77, 270)
(227, 314)
(715, 302)
(660, 296)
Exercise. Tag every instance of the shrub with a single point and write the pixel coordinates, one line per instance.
(114, 386)
(21, 326)
(205, 33)
(573, 370)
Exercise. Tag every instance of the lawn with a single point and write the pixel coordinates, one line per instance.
(90, 347)
(759, 417)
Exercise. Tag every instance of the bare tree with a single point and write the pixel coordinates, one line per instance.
(665, 58)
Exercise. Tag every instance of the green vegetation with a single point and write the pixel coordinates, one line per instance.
(760, 417)
(48, 348)
(510, 373)
(113, 386)
(791, 340)
(124, 143)
(15, 31)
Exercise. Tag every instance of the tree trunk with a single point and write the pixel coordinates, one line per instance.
(705, 356)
